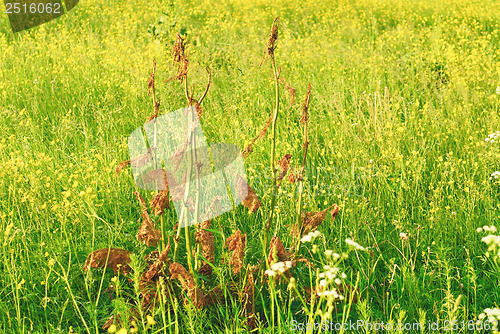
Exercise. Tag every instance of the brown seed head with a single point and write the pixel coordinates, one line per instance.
(206, 240)
(305, 106)
(116, 259)
(273, 37)
(236, 243)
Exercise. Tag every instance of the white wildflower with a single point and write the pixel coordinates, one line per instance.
(354, 244)
(270, 273)
(310, 236)
(491, 228)
(494, 175)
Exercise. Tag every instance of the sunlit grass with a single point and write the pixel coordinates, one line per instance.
(403, 96)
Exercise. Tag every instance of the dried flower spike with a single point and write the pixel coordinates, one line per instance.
(194, 293)
(236, 243)
(251, 201)
(273, 37)
(114, 258)
(147, 232)
(206, 241)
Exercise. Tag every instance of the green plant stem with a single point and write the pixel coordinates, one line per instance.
(273, 154)
(301, 189)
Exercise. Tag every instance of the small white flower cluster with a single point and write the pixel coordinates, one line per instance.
(493, 242)
(310, 236)
(331, 255)
(495, 175)
(354, 244)
(492, 137)
(330, 294)
(278, 267)
(404, 236)
(486, 228)
(330, 276)
(493, 315)
(498, 90)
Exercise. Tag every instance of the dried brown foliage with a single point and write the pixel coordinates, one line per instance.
(157, 266)
(236, 243)
(294, 176)
(147, 232)
(284, 166)
(179, 55)
(160, 202)
(151, 80)
(142, 159)
(219, 296)
(216, 295)
(277, 252)
(156, 111)
(251, 201)
(273, 37)
(311, 220)
(115, 258)
(206, 240)
(305, 106)
(195, 295)
(121, 166)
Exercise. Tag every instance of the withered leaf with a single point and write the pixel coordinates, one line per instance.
(249, 148)
(155, 268)
(115, 258)
(305, 106)
(294, 176)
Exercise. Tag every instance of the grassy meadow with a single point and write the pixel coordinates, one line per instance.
(403, 97)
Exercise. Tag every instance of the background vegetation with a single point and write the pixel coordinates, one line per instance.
(403, 97)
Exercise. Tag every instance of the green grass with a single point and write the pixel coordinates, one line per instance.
(403, 96)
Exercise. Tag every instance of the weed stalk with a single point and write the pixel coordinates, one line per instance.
(271, 46)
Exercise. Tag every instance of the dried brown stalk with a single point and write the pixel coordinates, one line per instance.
(160, 202)
(147, 232)
(179, 55)
(277, 252)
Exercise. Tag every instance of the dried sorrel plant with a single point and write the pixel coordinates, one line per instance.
(236, 243)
